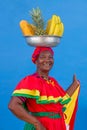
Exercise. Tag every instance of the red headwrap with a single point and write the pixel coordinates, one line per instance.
(38, 50)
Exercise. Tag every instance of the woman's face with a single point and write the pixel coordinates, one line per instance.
(45, 61)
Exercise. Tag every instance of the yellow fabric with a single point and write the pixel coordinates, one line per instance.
(70, 106)
(26, 91)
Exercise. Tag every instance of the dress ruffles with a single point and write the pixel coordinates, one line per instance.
(43, 91)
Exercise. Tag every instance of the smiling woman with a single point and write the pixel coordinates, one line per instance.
(45, 62)
(43, 58)
(39, 100)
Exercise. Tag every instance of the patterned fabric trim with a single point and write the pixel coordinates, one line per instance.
(41, 99)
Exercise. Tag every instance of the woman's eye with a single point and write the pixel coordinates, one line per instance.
(42, 56)
(50, 57)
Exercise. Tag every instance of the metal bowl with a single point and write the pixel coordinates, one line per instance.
(47, 41)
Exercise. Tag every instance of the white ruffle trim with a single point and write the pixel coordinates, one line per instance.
(67, 127)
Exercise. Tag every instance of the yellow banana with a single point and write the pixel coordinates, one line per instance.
(61, 29)
(58, 20)
(56, 30)
(52, 24)
(48, 26)
(26, 28)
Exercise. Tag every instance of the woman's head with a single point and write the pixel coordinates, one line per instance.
(43, 58)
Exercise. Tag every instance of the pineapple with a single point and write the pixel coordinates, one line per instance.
(38, 21)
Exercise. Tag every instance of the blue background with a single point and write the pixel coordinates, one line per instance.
(15, 54)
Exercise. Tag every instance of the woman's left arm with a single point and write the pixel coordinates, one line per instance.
(75, 84)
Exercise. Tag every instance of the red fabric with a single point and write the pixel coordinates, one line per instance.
(38, 50)
(35, 82)
(52, 124)
(49, 123)
(32, 82)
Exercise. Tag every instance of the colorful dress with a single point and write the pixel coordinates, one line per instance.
(44, 99)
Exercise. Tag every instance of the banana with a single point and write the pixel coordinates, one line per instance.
(51, 25)
(61, 29)
(58, 20)
(48, 26)
(26, 28)
(56, 30)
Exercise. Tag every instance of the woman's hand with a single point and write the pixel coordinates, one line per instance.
(75, 81)
(75, 84)
(39, 126)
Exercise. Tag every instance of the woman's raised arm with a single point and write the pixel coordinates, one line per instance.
(75, 84)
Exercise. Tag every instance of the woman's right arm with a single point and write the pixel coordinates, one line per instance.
(16, 107)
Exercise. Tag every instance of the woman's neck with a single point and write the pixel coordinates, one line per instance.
(43, 74)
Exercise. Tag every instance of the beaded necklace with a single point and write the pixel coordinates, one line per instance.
(47, 79)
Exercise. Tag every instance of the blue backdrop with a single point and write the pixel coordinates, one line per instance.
(15, 54)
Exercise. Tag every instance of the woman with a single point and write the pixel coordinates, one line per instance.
(38, 99)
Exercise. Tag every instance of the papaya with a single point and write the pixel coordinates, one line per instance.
(26, 28)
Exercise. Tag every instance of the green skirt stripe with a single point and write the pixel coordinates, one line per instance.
(47, 114)
(29, 127)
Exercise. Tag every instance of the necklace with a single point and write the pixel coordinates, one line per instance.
(48, 80)
(45, 78)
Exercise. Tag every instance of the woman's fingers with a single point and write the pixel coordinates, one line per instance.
(75, 80)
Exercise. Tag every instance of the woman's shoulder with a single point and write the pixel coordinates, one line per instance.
(28, 81)
(29, 77)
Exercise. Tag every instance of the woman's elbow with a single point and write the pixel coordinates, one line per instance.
(11, 106)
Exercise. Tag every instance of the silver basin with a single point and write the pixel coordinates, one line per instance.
(47, 41)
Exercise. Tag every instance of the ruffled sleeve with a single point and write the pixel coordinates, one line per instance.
(44, 92)
(27, 87)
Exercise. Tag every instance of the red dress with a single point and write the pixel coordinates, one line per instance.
(43, 96)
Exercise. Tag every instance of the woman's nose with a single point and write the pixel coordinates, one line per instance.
(47, 59)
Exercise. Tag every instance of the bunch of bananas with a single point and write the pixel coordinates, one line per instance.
(55, 26)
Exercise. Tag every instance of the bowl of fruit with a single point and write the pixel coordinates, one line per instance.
(37, 35)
